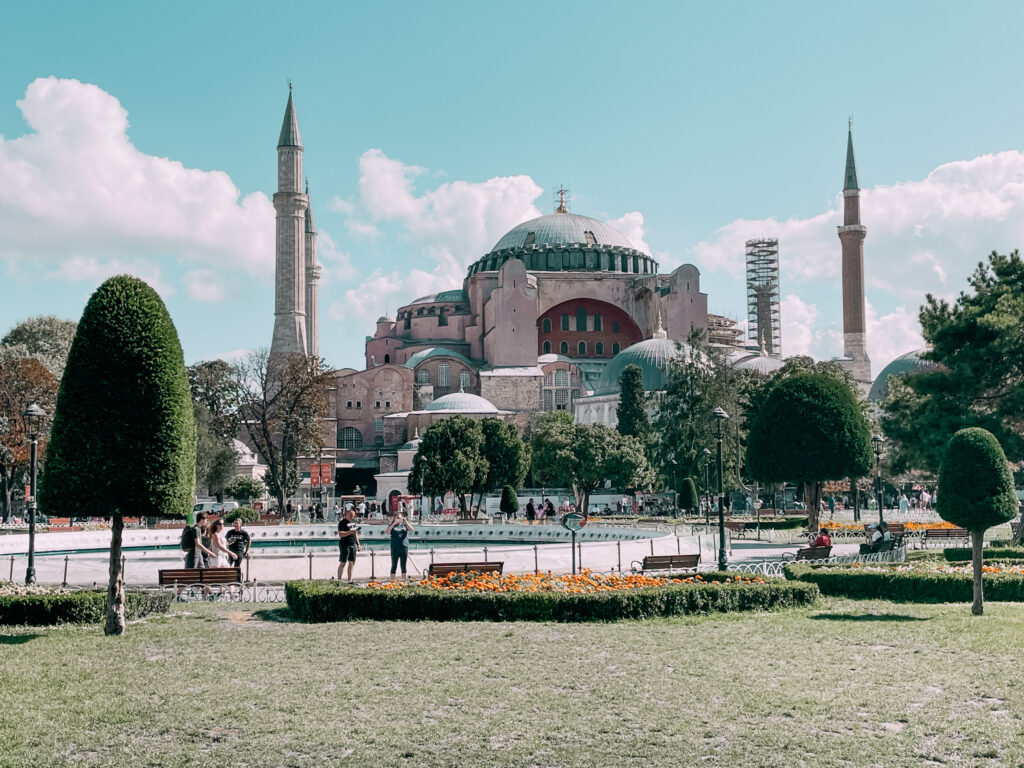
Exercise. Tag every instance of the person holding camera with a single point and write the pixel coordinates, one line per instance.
(348, 541)
(399, 528)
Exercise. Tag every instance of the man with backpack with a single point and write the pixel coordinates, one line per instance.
(192, 544)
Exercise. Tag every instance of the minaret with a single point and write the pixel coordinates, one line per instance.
(290, 268)
(312, 283)
(851, 235)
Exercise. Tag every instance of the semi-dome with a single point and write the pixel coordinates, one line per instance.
(462, 402)
(762, 365)
(562, 229)
(652, 355)
(904, 365)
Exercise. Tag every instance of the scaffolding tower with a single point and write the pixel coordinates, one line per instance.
(764, 328)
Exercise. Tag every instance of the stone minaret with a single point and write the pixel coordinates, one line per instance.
(290, 270)
(312, 283)
(851, 235)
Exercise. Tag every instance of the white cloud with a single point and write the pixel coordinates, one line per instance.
(632, 226)
(891, 335)
(802, 331)
(81, 268)
(76, 188)
(204, 285)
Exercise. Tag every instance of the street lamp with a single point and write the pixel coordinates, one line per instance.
(720, 416)
(34, 416)
(876, 443)
(707, 486)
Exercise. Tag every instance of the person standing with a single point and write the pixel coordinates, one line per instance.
(192, 543)
(531, 512)
(348, 543)
(239, 542)
(904, 503)
(217, 545)
(399, 529)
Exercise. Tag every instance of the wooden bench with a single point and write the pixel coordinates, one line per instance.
(186, 577)
(944, 534)
(812, 553)
(668, 563)
(737, 526)
(445, 569)
(897, 531)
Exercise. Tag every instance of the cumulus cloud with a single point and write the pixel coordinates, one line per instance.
(892, 335)
(76, 190)
(87, 269)
(632, 226)
(204, 285)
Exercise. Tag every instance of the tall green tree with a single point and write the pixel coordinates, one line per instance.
(976, 493)
(688, 498)
(450, 459)
(123, 440)
(809, 429)
(978, 342)
(46, 338)
(213, 386)
(632, 408)
(245, 489)
(283, 402)
(216, 458)
(507, 456)
(584, 457)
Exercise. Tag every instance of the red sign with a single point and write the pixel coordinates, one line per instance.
(321, 474)
(28, 493)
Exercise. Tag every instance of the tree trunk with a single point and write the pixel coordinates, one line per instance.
(115, 587)
(812, 497)
(978, 541)
(1020, 531)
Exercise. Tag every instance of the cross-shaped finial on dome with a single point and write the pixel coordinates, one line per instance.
(564, 196)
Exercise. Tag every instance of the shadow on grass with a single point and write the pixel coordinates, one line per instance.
(867, 617)
(17, 639)
(281, 615)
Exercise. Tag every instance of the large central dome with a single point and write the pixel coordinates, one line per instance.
(563, 229)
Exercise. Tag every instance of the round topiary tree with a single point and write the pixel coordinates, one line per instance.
(123, 439)
(245, 514)
(976, 492)
(509, 503)
(245, 489)
(809, 429)
(688, 498)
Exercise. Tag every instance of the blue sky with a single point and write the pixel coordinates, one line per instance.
(430, 128)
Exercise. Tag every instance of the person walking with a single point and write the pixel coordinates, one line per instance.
(192, 543)
(531, 512)
(399, 529)
(218, 546)
(239, 542)
(348, 543)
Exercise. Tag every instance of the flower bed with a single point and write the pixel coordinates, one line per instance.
(909, 526)
(586, 597)
(42, 606)
(919, 582)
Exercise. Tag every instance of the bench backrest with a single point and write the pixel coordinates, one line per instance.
(443, 569)
(656, 562)
(946, 533)
(813, 553)
(201, 575)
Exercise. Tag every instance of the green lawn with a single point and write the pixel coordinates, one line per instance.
(843, 684)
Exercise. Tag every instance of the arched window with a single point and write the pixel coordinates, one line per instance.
(599, 348)
(564, 348)
(615, 348)
(387, 359)
(350, 439)
(465, 380)
(561, 378)
(546, 325)
(444, 375)
(581, 348)
(547, 347)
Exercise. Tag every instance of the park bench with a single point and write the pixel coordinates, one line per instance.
(668, 563)
(445, 569)
(186, 577)
(944, 534)
(736, 526)
(810, 553)
(896, 532)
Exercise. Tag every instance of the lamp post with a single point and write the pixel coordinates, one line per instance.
(33, 416)
(707, 486)
(720, 416)
(876, 443)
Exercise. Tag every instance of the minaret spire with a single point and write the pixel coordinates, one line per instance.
(851, 166)
(851, 235)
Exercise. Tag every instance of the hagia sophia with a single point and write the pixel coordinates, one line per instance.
(546, 320)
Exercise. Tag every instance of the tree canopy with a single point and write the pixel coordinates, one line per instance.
(978, 342)
(632, 408)
(123, 440)
(450, 459)
(46, 338)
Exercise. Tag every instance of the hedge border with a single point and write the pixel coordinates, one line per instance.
(82, 607)
(905, 586)
(320, 601)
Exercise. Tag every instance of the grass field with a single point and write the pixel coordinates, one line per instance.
(843, 684)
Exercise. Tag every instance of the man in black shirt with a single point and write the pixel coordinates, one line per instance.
(348, 542)
(239, 542)
(192, 544)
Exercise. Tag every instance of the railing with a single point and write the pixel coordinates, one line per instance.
(774, 568)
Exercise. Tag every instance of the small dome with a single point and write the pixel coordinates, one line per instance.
(652, 355)
(904, 365)
(563, 229)
(385, 319)
(462, 402)
(431, 352)
(762, 365)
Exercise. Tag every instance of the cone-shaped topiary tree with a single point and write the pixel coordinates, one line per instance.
(810, 429)
(976, 492)
(632, 409)
(509, 503)
(688, 498)
(123, 439)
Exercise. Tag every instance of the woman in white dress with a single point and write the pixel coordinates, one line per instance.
(218, 545)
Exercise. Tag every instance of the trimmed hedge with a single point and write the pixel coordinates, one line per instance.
(906, 586)
(85, 607)
(1002, 554)
(316, 601)
(770, 523)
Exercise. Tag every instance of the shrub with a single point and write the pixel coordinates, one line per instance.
(330, 601)
(84, 607)
(1002, 554)
(245, 488)
(905, 586)
(509, 502)
(688, 498)
(245, 514)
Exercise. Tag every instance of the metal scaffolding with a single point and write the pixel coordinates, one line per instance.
(764, 327)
